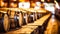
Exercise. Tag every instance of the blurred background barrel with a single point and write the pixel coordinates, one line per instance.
(4, 22)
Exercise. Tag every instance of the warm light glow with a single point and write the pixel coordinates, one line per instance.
(24, 5)
(56, 5)
(33, 4)
(5, 5)
(12, 4)
(21, 0)
(15, 5)
(3, 11)
(38, 3)
(42, 0)
(49, 6)
(37, 6)
(14, 0)
(20, 5)
(2, 3)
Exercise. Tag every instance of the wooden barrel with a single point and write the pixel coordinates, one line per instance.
(35, 15)
(31, 16)
(20, 19)
(12, 21)
(16, 19)
(6, 23)
(26, 18)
